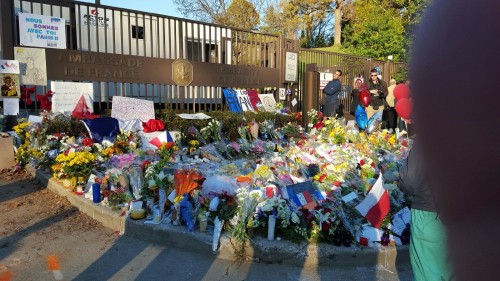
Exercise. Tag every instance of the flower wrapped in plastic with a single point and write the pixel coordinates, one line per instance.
(212, 132)
(186, 180)
(247, 201)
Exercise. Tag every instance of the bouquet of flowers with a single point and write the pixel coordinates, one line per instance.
(212, 132)
(247, 202)
(315, 119)
(76, 164)
(186, 180)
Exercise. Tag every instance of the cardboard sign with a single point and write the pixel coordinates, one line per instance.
(129, 108)
(42, 31)
(33, 65)
(254, 99)
(7, 160)
(67, 94)
(244, 100)
(232, 100)
(268, 102)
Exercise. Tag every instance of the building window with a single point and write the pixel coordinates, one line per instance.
(194, 50)
(137, 32)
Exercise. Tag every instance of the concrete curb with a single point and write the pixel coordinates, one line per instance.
(110, 219)
(272, 252)
(258, 250)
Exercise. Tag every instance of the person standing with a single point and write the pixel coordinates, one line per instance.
(332, 92)
(428, 252)
(355, 95)
(378, 91)
(390, 93)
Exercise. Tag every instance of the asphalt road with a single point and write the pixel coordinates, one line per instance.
(43, 237)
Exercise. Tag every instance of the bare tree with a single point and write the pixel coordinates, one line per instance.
(213, 11)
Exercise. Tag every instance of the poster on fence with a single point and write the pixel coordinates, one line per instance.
(10, 106)
(10, 85)
(244, 100)
(42, 31)
(67, 94)
(129, 109)
(9, 66)
(268, 102)
(254, 99)
(33, 65)
(232, 100)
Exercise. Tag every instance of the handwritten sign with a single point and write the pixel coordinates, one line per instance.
(254, 99)
(129, 108)
(232, 100)
(268, 102)
(11, 106)
(67, 94)
(42, 31)
(33, 65)
(244, 100)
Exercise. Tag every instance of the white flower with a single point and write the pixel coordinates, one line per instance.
(295, 218)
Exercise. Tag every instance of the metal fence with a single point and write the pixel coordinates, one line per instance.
(351, 67)
(110, 30)
(105, 29)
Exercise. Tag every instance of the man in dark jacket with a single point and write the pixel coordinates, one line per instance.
(428, 252)
(332, 92)
(378, 92)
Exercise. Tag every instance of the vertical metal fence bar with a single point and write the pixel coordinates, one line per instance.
(144, 34)
(105, 31)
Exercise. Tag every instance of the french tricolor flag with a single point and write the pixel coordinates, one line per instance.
(304, 199)
(161, 138)
(376, 204)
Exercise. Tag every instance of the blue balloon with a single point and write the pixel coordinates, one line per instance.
(361, 117)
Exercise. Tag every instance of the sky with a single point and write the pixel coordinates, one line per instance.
(162, 7)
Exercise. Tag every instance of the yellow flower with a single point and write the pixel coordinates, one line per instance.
(392, 140)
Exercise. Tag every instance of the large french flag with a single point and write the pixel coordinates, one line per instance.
(376, 204)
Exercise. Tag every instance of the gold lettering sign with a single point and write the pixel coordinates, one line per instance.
(182, 72)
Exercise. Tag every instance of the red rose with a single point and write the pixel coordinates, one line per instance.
(326, 225)
(87, 142)
(362, 162)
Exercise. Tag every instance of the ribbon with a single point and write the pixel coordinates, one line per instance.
(45, 104)
(26, 94)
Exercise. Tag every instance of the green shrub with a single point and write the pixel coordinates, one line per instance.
(230, 121)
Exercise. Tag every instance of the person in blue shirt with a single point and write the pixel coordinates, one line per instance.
(332, 92)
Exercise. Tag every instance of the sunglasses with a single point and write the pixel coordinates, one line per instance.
(374, 75)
